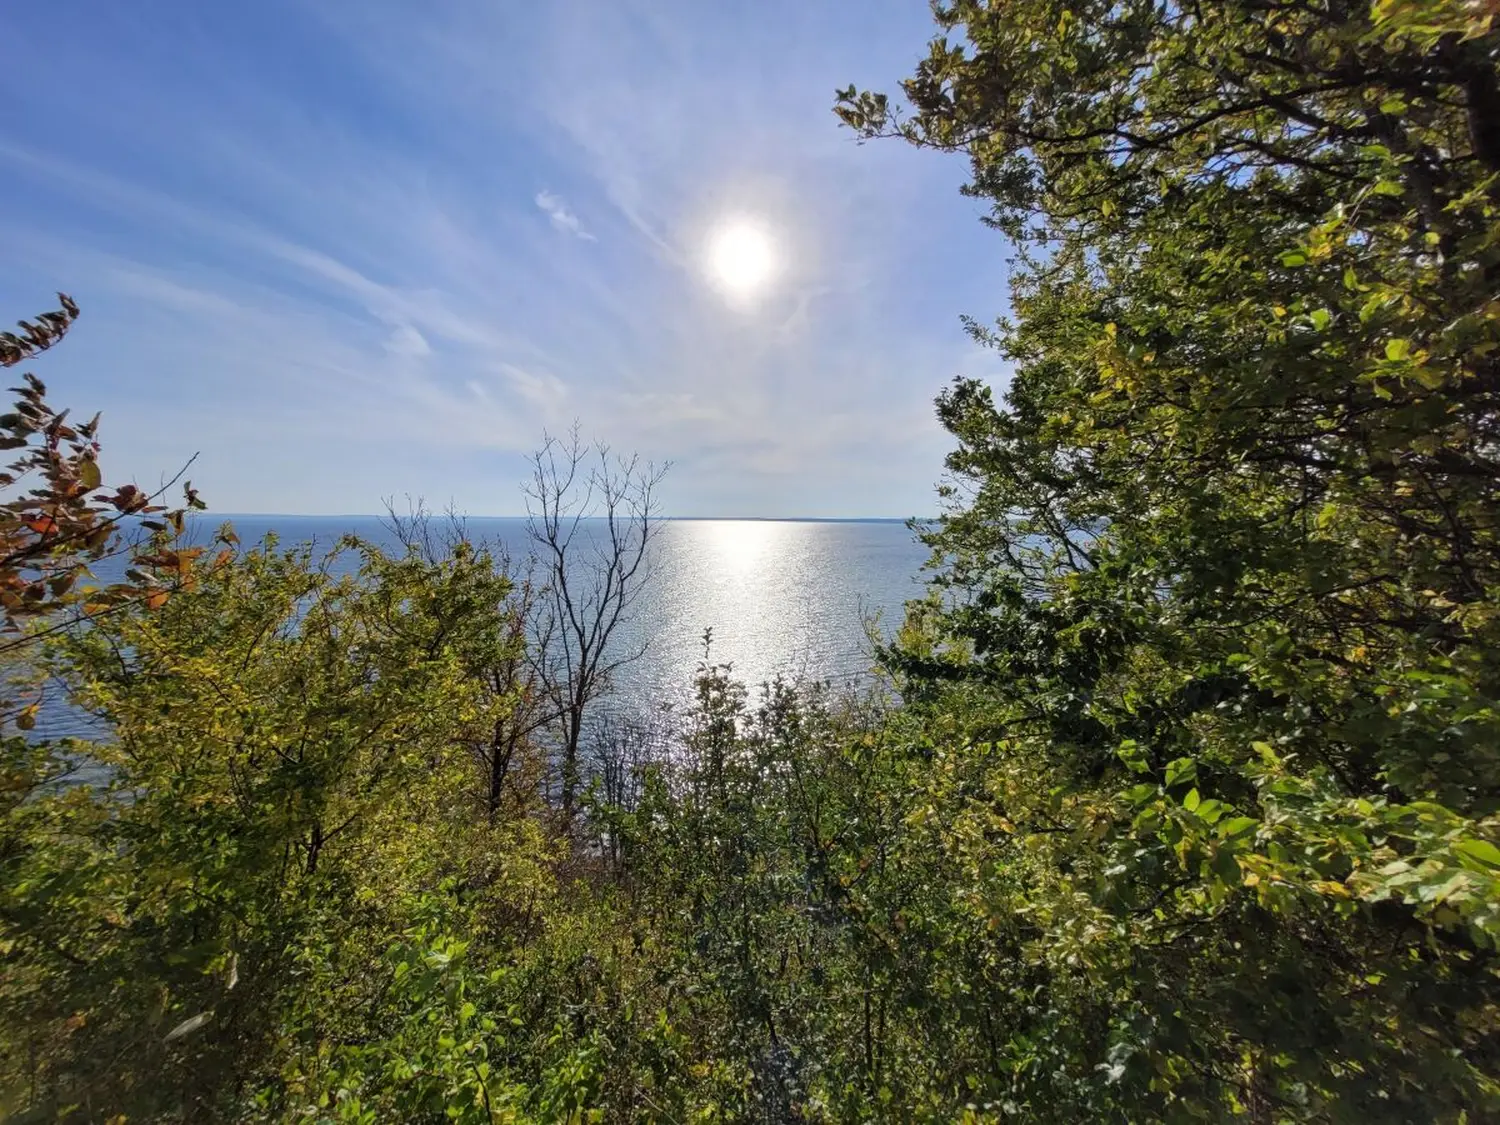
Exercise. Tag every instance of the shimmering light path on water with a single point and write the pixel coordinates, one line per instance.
(781, 596)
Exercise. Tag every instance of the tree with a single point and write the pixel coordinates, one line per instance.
(283, 774)
(1217, 614)
(56, 516)
(513, 673)
(591, 518)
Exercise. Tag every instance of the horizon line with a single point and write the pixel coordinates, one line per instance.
(522, 516)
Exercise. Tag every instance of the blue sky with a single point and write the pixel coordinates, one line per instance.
(351, 249)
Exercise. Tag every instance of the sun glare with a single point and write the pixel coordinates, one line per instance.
(741, 258)
(738, 545)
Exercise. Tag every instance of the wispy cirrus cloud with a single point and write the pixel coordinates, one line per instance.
(563, 219)
(322, 264)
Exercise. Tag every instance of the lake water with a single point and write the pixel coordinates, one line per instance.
(782, 596)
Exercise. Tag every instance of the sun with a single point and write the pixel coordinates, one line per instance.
(741, 257)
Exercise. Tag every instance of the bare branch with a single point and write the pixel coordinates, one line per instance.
(591, 518)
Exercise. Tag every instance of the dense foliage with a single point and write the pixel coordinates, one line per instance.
(1189, 809)
(1223, 567)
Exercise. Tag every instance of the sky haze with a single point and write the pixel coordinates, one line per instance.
(351, 249)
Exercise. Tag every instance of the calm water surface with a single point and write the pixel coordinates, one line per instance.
(787, 597)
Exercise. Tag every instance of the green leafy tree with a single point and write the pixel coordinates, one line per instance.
(1217, 616)
(284, 773)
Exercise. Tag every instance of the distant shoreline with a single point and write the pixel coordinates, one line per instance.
(664, 519)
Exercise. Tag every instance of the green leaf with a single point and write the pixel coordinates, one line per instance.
(1237, 826)
(1210, 810)
(1429, 377)
(1397, 350)
(1181, 771)
(1131, 754)
(1481, 851)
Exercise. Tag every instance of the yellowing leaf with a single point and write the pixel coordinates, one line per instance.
(1332, 889)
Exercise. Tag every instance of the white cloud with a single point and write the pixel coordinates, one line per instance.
(406, 340)
(562, 218)
(370, 300)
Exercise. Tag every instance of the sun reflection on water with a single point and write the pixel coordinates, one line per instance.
(738, 547)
